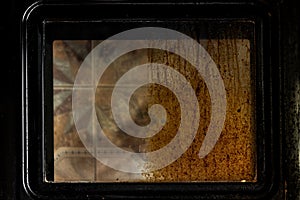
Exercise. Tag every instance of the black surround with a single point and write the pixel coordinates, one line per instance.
(26, 127)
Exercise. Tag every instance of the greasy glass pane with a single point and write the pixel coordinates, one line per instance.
(81, 151)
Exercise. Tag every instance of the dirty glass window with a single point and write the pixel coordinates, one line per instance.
(108, 117)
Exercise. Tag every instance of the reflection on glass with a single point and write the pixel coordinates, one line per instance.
(233, 157)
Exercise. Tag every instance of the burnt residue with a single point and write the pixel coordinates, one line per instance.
(232, 159)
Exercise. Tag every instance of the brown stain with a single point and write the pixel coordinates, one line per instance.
(233, 157)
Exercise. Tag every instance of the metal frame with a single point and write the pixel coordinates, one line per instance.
(40, 23)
